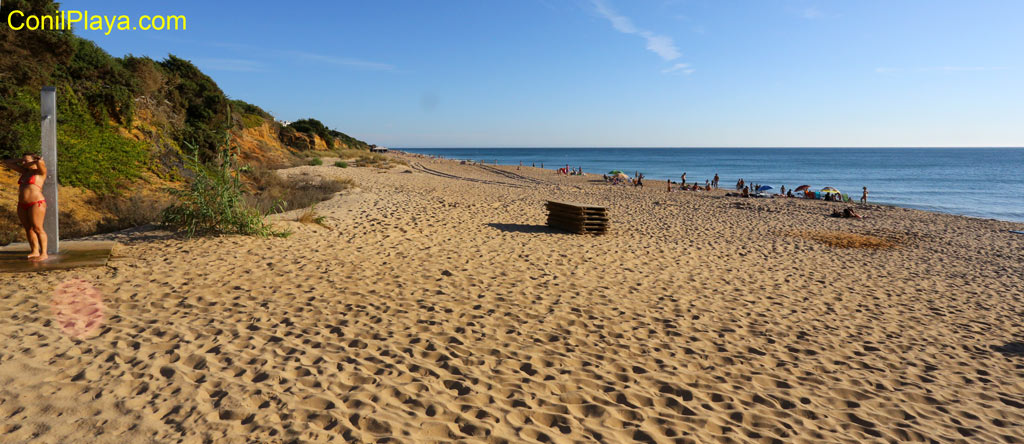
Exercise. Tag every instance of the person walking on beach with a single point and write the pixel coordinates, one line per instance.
(864, 197)
(31, 204)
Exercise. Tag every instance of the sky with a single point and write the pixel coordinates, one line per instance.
(623, 73)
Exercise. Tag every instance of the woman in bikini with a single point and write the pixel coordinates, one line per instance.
(31, 204)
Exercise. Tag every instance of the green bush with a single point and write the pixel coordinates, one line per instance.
(213, 203)
(106, 85)
(248, 108)
(316, 161)
(341, 164)
(251, 121)
(92, 155)
(314, 127)
(349, 141)
(204, 104)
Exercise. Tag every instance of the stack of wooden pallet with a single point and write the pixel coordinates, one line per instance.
(577, 218)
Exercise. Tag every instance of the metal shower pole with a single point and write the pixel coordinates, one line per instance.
(48, 106)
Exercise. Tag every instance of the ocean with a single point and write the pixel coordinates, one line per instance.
(977, 182)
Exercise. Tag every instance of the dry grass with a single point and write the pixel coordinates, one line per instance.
(309, 216)
(271, 193)
(10, 227)
(350, 154)
(362, 158)
(127, 212)
(839, 239)
(297, 159)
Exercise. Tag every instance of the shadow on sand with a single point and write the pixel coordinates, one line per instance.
(523, 228)
(1010, 349)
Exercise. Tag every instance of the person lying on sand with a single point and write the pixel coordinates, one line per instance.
(847, 213)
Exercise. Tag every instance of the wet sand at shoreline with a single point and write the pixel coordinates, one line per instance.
(435, 306)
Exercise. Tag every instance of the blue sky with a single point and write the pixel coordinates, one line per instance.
(555, 73)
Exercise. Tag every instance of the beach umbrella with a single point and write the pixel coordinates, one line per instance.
(614, 172)
(830, 190)
(765, 188)
(802, 187)
(622, 175)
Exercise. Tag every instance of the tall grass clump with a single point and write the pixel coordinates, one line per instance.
(316, 161)
(310, 217)
(341, 164)
(213, 203)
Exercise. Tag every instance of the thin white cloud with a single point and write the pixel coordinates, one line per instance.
(342, 61)
(812, 13)
(661, 45)
(309, 56)
(238, 65)
(680, 68)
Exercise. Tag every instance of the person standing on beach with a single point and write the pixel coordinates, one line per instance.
(520, 166)
(682, 178)
(864, 197)
(31, 203)
(714, 182)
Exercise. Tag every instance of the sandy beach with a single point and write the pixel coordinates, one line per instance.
(435, 306)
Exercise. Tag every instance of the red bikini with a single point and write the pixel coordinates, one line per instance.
(28, 205)
(31, 181)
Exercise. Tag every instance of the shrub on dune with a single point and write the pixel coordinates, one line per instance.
(213, 202)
